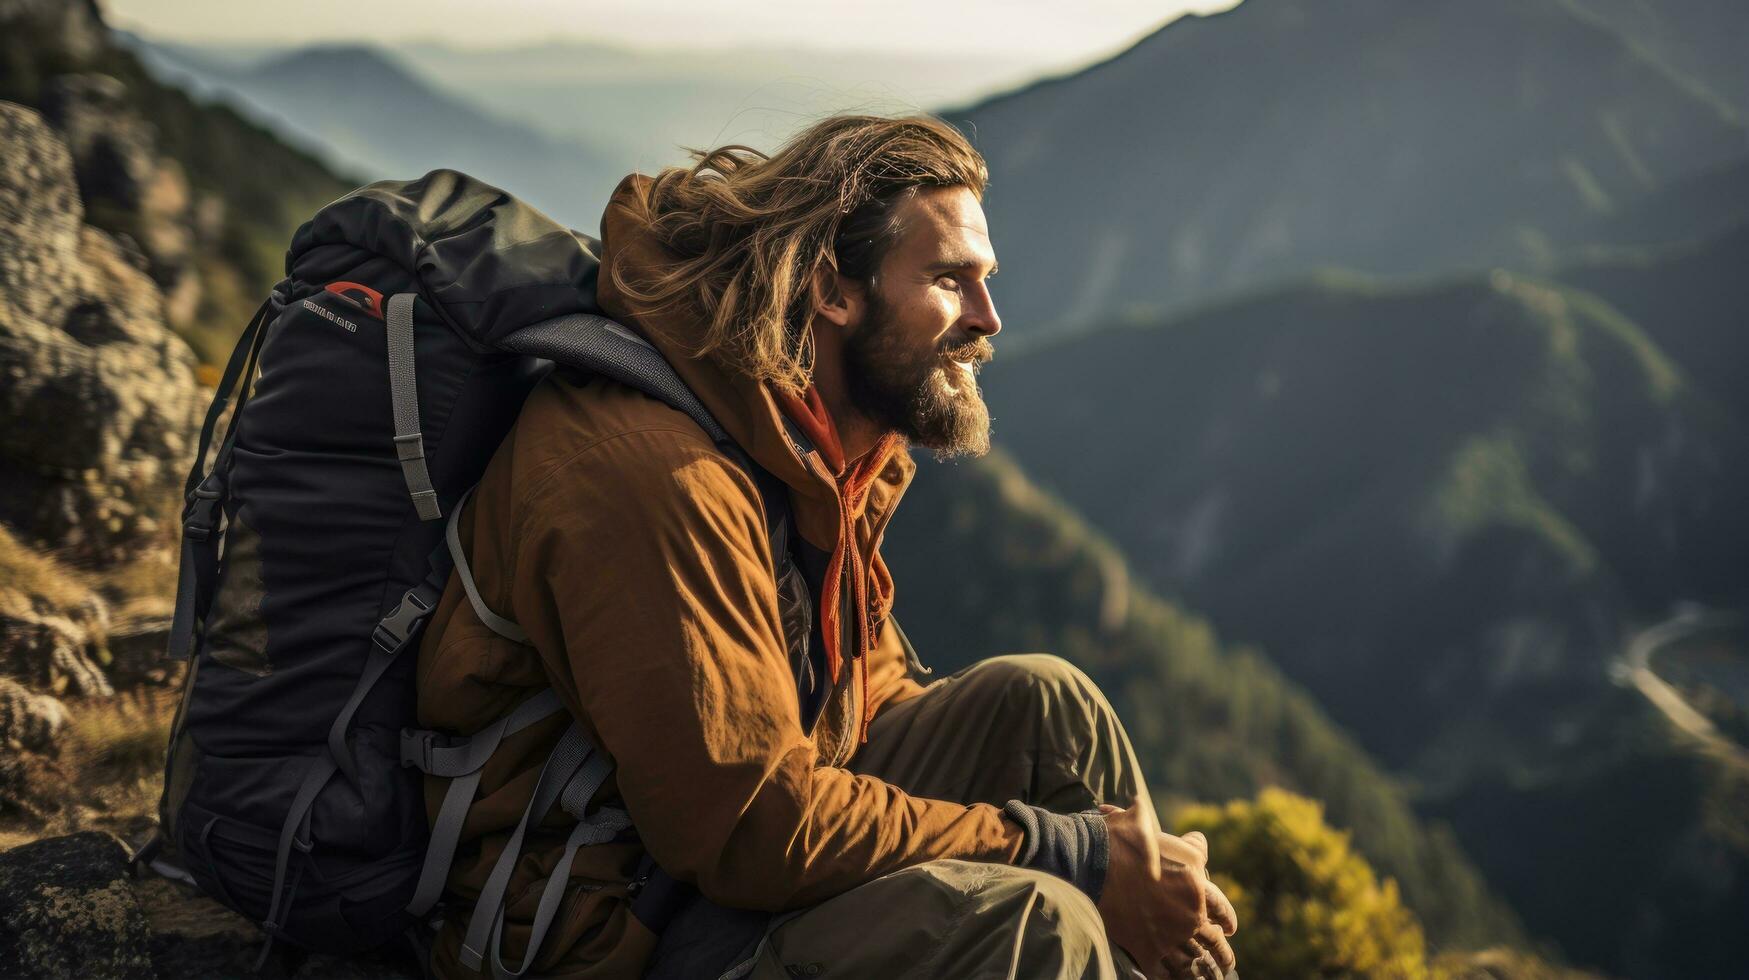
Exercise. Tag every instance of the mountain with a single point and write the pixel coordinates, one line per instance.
(557, 122)
(986, 564)
(1692, 299)
(1284, 136)
(1441, 508)
(1692, 208)
(645, 104)
(367, 113)
(1700, 39)
(205, 198)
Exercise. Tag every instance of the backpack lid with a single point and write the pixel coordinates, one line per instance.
(487, 262)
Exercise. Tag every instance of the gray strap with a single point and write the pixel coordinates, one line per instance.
(392, 635)
(607, 348)
(914, 662)
(596, 828)
(567, 758)
(322, 768)
(581, 790)
(404, 396)
(464, 761)
(494, 622)
(446, 834)
(435, 754)
(182, 624)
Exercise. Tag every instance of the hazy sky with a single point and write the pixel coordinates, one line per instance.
(1049, 31)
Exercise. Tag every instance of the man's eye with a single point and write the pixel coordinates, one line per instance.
(949, 281)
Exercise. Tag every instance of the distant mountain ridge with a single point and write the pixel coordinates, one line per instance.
(361, 108)
(556, 122)
(1701, 39)
(649, 103)
(1283, 136)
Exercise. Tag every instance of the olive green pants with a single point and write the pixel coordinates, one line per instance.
(1030, 727)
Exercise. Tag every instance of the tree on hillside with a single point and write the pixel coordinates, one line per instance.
(1308, 905)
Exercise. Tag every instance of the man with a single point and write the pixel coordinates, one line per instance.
(829, 306)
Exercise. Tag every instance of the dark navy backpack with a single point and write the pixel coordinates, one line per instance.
(371, 389)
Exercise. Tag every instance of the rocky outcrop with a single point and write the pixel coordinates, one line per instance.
(99, 397)
(76, 25)
(66, 911)
(69, 908)
(98, 404)
(53, 648)
(144, 196)
(130, 187)
(28, 721)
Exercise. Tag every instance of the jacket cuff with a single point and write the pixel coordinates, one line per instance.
(1074, 846)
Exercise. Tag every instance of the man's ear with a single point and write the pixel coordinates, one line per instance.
(841, 299)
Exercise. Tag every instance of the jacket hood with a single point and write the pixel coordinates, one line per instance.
(749, 410)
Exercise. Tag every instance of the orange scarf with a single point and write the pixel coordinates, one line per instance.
(809, 413)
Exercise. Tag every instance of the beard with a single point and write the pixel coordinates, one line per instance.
(921, 394)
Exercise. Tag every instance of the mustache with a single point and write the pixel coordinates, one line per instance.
(978, 352)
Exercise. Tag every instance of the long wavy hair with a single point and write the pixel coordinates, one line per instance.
(749, 230)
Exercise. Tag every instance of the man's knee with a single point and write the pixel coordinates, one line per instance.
(949, 918)
(1038, 681)
(1044, 910)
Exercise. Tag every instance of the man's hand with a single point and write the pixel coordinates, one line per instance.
(1158, 903)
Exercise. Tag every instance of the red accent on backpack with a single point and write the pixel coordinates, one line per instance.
(341, 289)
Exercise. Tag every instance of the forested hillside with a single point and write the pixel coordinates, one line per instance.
(1441, 509)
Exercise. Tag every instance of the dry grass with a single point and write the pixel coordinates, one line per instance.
(105, 769)
(35, 579)
(107, 774)
(120, 738)
(142, 588)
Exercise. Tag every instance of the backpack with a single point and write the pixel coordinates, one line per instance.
(372, 387)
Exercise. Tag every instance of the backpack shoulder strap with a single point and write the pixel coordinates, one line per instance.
(599, 345)
(610, 349)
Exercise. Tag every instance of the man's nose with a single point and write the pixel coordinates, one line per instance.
(979, 315)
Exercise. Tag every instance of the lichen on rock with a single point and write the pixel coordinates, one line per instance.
(99, 395)
(66, 910)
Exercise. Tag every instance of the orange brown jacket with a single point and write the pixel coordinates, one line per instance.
(633, 553)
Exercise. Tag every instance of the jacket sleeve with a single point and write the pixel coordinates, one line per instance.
(644, 580)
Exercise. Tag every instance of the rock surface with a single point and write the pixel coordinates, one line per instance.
(121, 173)
(55, 649)
(69, 909)
(66, 910)
(100, 397)
(28, 721)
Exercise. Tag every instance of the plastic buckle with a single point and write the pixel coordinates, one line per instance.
(420, 757)
(197, 520)
(391, 634)
(419, 747)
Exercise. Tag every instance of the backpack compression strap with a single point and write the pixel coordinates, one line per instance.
(204, 493)
(404, 398)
